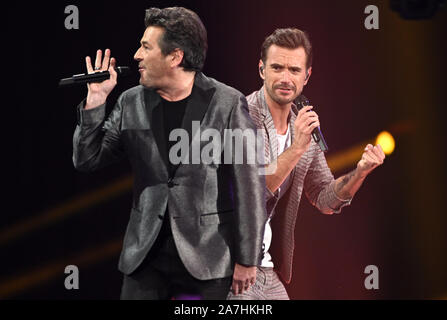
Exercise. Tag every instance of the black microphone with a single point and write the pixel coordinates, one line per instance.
(301, 102)
(93, 77)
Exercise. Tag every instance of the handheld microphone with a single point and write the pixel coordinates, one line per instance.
(93, 77)
(301, 102)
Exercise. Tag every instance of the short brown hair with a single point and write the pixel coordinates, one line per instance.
(290, 38)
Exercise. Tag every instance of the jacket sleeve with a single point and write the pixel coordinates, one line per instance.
(248, 190)
(319, 186)
(96, 142)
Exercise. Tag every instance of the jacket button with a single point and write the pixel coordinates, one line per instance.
(171, 183)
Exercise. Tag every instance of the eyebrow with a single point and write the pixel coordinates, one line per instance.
(295, 68)
(282, 66)
(144, 42)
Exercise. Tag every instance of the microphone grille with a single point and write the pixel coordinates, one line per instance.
(122, 70)
(301, 101)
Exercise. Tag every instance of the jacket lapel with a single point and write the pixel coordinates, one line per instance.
(271, 140)
(196, 107)
(272, 148)
(293, 115)
(153, 105)
(292, 118)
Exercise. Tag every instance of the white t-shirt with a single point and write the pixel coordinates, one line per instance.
(284, 142)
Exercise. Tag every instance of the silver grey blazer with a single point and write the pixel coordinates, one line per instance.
(216, 211)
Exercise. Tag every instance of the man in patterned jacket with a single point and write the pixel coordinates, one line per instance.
(296, 163)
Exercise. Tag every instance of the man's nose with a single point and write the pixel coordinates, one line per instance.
(285, 76)
(137, 55)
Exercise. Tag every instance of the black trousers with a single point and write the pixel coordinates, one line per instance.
(162, 276)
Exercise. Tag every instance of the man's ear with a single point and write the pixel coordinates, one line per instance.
(308, 73)
(176, 57)
(261, 70)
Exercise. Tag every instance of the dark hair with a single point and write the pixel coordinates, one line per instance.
(290, 38)
(183, 29)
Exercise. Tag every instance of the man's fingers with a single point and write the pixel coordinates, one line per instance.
(379, 151)
(105, 62)
(112, 71)
(306, 114)
(311, 120)
(236, 287)
(98, 59)
(88, 64)
(239, 287)
(307, 120)
(368, 158)
(312, 126)
(247, 284)
(375, 154)
(371, 158)
(244, 286)
(100, 64)
(304, 110)
(309, 127)
(309, 115)
(242, 277)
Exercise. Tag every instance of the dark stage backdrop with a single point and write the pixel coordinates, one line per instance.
(363, 82)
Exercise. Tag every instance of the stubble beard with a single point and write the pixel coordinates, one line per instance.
(281, 101)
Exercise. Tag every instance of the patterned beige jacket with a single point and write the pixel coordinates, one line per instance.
(311, 174)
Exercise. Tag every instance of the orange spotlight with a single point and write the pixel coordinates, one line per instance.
(386, 141)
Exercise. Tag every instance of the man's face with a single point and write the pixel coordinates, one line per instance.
(152, 64)
(284, 73)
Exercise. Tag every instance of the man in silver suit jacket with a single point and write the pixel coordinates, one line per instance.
(195, 227)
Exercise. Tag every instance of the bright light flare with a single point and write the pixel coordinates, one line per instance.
(386, 141)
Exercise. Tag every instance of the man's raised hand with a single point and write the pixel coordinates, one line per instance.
(98, 92)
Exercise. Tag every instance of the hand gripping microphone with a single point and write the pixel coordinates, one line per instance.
(301, 101)
(93, 77)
